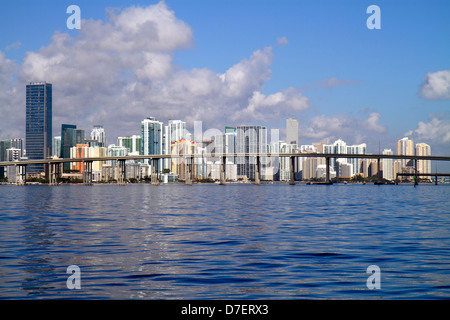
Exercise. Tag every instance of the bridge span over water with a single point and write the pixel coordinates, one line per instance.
(54, 170)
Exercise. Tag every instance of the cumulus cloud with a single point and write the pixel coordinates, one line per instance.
(12, 100)
(436, 130)
(351, 129)
(118, 71)
(436, 85)
(372, 123)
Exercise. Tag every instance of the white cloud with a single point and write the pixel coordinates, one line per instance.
(351, 129)
(372, 123)
(436, 131)
(118, 71)
(330, 83)
(282, 41)
(12, 101)
(436, 85)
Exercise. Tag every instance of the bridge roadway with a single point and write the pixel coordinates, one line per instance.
(55, 168)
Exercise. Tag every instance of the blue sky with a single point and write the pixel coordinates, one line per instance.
(367, 79)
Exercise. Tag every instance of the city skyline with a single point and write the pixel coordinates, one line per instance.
(334, 89)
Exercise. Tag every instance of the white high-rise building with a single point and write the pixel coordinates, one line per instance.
(250, 139)
(340, 147)
(388, 166)
(173, 132)
(405, 147)
(98, 134)
(57, 146)
(423, 166)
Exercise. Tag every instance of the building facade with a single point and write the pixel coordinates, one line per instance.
(152, 141)
(98, 134)
(250, 139)
(292, 131)
(38, 140)
(423, 166)
(405, 147)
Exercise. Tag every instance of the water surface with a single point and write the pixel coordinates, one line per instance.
(225, 242)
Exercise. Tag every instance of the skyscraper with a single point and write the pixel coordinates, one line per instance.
(132, 143)
(250, 139)
(57, 146)
(405, 147)
(339, 146)
(152, 139)
(38, 143)
(292, 131)
(388, 166)
(98, 134)
(70, 137)
(423, 166)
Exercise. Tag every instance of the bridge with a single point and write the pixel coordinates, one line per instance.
(435, 175)
(55, 170)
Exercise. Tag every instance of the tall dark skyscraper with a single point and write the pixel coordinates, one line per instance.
(70, 137)
(39, 136)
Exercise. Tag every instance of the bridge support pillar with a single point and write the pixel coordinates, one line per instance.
(188, 177)
(122, 172)
(257, 170)
(87, 173)
(21, 174)
(416, 182)
(222, 171)
(154, 175)
(436, 180)
(54, 173)
(291, 171)
(378, 171)
(327, 177)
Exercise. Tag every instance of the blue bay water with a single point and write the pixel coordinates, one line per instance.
(272, 241)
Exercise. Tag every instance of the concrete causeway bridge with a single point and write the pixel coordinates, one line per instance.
(54, 166)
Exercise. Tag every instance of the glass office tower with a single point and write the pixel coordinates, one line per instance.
(152, 140)
(38, 127)
(70, 137)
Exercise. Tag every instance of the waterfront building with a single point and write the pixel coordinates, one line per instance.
(250, 139)
(292, 131)
(340, 147)
(225, 143)
(38, 128)
(230, 129)
(423, 166)
(214, 170)
(152, 141)
(98, 134)
(345, 169)
(388, 166)
(70, 137)
(398, 169)
(57, 146)
(132, 143)
(321, 172)
(184, 147)
(174, 131)
(283, 171)
(13, 154)
(405, 147)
